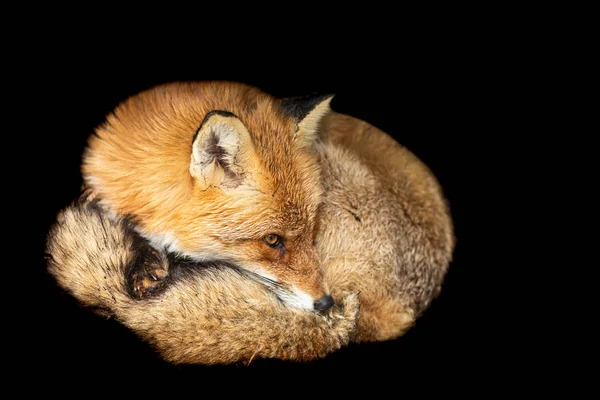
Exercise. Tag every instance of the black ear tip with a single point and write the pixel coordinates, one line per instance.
(314, 97)
(326, 96)
(299, 106)
(221, 113)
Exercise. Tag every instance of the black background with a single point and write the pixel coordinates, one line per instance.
(425, 90)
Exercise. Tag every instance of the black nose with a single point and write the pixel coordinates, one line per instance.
(324, 303)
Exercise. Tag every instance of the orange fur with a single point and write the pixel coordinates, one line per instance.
(383, 232)
(138, 163)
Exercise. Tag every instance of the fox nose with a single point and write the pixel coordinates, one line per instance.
(324, 303)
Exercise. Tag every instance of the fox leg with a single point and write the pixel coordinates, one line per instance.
(148, 274)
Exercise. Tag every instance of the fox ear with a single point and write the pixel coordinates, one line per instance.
(308, 112)
(219, 150)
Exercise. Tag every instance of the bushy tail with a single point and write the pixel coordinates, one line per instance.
(88, 253)
(211, 315)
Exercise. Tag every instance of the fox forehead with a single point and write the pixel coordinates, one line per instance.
(292, 196)
(257, 214)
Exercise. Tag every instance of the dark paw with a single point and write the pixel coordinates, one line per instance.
(148, 273)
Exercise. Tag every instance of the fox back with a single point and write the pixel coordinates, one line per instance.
(218, 170)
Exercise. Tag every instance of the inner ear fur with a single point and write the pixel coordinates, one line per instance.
(220, 151)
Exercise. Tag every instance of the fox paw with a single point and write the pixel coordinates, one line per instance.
(148, 273)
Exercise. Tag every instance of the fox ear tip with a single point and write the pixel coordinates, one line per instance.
(299, 107)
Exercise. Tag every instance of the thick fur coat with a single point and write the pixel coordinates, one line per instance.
(383, 235)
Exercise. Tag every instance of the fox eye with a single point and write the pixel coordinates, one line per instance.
(273, 240)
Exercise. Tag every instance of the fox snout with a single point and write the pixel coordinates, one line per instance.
(302, 279)
(324, 303)
(292, 296)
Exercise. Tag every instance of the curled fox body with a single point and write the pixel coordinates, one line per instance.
(377, 220)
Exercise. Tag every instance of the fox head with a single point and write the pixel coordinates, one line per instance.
(219, 171)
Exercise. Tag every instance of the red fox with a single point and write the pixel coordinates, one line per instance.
(381, 233)
(219, 170)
